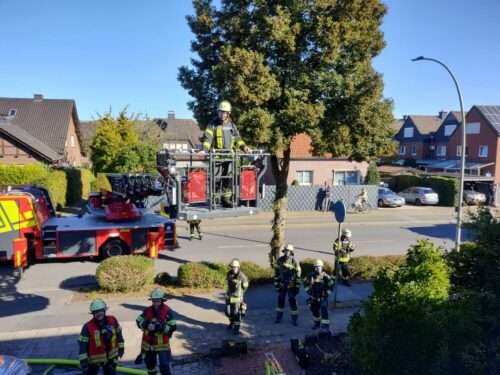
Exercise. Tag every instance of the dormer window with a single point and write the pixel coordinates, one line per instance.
(12, 112)
(408, 132)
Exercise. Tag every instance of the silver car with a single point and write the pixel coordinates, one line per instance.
(386, 197)
(420, 195)
(474, 197)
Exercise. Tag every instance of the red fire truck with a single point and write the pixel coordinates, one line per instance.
(30, 230)
(222, 183)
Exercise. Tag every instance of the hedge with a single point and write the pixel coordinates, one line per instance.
(55, 182)
(447, 188)
(126, 273)
(14, 174)
(307, 265)
(79, 184)
(257, 275)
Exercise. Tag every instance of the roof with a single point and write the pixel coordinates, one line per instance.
(17, 134)
(301, 147)
(426, 124)
(458, 115)
(492, 114)
(397, 124)
(47, 120)
(396, 170)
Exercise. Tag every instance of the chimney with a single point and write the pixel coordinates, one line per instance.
(37, 97)
(170, 115)
(442, 114)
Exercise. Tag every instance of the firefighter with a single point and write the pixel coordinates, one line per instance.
(101, 341)
(195, 224)
(342, 250)
(237, 283)
(318, 284)
(287, 281)
(222, 134)
(158, 324)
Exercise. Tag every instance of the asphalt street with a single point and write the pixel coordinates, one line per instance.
(387, 231)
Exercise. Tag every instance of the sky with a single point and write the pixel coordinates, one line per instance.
(126, 53)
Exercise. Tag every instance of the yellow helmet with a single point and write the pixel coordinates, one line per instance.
(318, 263)
(97, 305)
(157, 293)
(234, 263)
(224, 106)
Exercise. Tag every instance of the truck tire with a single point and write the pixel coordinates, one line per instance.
(113, 248)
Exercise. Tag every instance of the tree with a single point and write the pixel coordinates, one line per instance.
(372, 175)
(121, 145)
(292, 67)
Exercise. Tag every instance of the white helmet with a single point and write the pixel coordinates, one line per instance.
(318, 263)
(347, 233)
(234, 263)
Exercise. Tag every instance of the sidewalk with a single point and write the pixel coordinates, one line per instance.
(201, 327)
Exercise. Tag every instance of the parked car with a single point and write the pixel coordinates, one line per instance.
(386, 197)
(420, 195)
(474, 197)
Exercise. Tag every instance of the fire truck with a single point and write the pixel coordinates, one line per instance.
(222, 183)
(115, 224)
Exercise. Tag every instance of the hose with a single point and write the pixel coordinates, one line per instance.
(73, 362)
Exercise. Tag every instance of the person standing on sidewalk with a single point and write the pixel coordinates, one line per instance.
(195, 224)
(328, 199)
(237, 283)
(101, 341)
(287, 282)
(158, 324)
(318, 284)
(342, 249)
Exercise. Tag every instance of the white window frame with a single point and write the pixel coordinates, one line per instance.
(473, 128)
(408, 132)
(449, 129)
(483, 151)
(402, 150)
(345, 180)
(459, 150)
(72, 141)
(442, 149)
(414, 150)
(12, 112)
(299, 176)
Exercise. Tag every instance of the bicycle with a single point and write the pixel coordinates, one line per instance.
(363, 207)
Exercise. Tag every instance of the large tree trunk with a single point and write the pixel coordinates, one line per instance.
(280, 171)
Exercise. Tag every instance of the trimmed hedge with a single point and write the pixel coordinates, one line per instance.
(126, 273)
(55, 182)
(447, 188)
(257, 275)
(202, 275)
(366, 267)
(26, 174)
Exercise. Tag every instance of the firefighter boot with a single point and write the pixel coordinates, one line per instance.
(230, 325)
(295, 316)
(200, 235)
(236, 329)
(279, 316)
(316, 324)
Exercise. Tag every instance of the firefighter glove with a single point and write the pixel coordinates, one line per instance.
(121, 352)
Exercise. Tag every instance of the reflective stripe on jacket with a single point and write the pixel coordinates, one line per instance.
(343, 250)
(318, 285)
(103, 341)
(220, 135)
(236, 286)
(157, 341)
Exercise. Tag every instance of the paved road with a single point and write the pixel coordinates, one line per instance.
(387, 231)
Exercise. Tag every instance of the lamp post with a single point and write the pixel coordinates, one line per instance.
(462, 154)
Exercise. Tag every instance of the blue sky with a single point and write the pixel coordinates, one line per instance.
(116, 53)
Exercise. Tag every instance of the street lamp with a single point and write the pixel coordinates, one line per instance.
(462, 154)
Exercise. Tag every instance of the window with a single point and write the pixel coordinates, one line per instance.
(72, 141)
(402, 150)
(304, 177)
(12, 112)
(408, 133)
(441, 151)
(346, 177)
(184, 146)
(459, 150)
(483, 151)
(448, 129)
(413, 150)
(473, 128)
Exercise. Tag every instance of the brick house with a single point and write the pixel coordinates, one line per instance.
(40, 130)
(482, 141)
(314, 170)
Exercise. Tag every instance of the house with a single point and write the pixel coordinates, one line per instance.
(40, 130)
(415, 135)
(319, 170)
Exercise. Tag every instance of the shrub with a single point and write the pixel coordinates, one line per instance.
(447, 188)
(88, 180)
(202, 275)
(164, 279)
(257, 275)
(367, 267)
(295, 183)
(126, 273)
(307, 265)
(74, 178)
(22, 174)
(55, 182)
(372, 175)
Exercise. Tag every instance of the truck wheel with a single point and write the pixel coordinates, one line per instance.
(113, 248)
